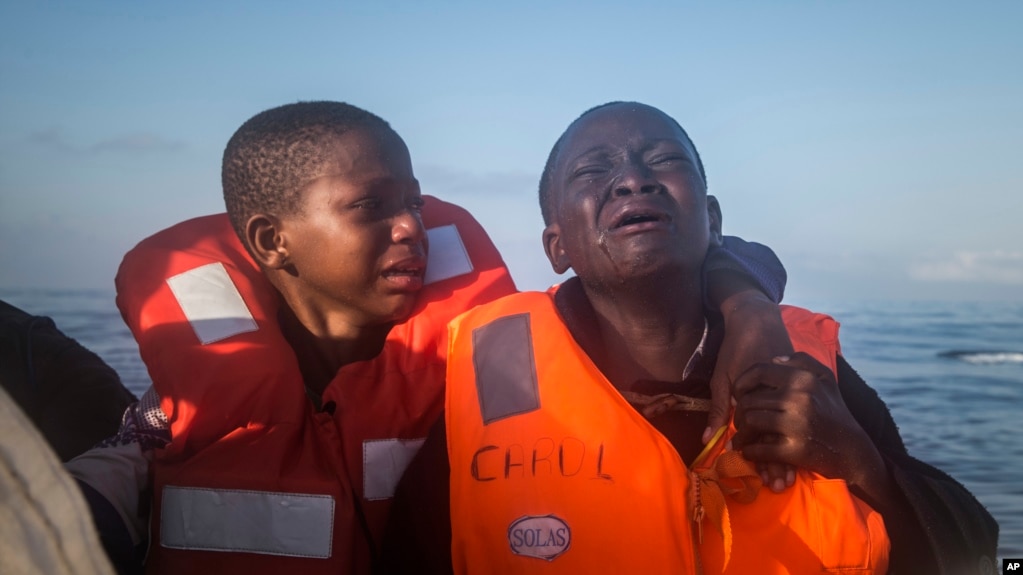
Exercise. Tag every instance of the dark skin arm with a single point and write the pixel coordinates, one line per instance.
(793, 410)
(754, 333)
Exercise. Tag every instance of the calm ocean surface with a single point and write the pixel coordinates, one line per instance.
(951, 373)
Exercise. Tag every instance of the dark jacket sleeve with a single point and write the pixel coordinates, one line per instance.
(126, 557)
(941, 527)
(73, 397)
(418, 535)
(755, 262)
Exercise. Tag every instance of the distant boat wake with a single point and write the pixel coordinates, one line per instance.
(984, 357)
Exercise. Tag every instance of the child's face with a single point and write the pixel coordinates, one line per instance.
(630, 199)
(357, 245)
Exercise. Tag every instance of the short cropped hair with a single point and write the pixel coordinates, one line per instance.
(546, 179)
(275, 153)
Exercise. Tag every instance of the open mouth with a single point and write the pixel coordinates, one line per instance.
(403, 271)
(635, 217)
(638, 219)
(407, 274)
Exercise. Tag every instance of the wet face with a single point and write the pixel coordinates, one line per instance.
(629, 201)
(357, 245)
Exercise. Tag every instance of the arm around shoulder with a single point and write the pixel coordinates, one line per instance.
(737, 264)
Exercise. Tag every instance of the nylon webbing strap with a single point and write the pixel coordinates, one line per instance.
(502, 356)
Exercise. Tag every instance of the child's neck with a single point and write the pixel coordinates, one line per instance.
(322, 353)
(632, 334)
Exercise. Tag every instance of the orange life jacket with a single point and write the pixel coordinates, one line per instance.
(256, 479)
(553, 471)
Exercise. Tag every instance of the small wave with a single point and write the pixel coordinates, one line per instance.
(984, 357)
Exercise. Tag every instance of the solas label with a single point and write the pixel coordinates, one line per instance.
(544, 537)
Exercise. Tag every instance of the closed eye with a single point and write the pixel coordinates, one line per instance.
(368, 204)
(591, 170)
(667, 159)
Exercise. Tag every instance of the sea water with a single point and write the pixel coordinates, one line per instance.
(952, 374)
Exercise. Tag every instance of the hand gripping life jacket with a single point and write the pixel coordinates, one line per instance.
(256, 479)
(553, 471)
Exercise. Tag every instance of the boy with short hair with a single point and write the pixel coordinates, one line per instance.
(296, 371)
(572, 431)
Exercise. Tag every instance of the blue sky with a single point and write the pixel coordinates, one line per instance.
(874, 147)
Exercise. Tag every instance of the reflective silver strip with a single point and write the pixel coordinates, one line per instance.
(291, 524)
(448, 257)
(211, 303)
(383, 463)
(502, 356)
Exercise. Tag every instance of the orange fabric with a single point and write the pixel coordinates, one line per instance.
(588, 459)
(238, 410)
(728, 476)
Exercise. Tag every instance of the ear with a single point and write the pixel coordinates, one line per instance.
(714, 215)
(555, 253)
(265, 237)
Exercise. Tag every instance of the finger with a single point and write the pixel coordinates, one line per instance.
(751, 379)
(768, 399)
(778, 374)
(761, 426)
(766, 417)
(774, 475)
(805, 362)
(720, 404)
(779, 378)
(777, 453)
